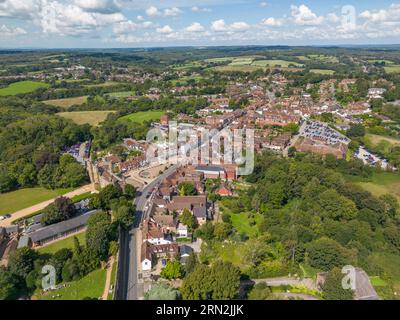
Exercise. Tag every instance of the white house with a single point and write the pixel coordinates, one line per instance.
(182, 231)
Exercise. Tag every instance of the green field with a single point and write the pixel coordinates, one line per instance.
(392, 68)
(322, 71)
(381, 183)
(24, 198)
(323, 58)
(81, 117)
(91, 286)
(277, 64)
(65, 243)
(375, 139)
(66, 103)
(22, 87)
(143, 116)
(242, 223)
(121, 94)
(105, 84)
(381, 61)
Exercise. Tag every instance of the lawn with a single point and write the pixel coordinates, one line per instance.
(22, 87)
(68, 102)
(395, 68)
(104, 84)
(91, 286)
(65, 243)
(142, 116)
(242, 223)
(381, 183)
(81, 117)
(24, 198)
(322, 71)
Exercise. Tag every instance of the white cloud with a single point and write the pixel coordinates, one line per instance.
(165, 30)
(172, 12)
(6, 32)
(263, 4)
(302, 15)
(219, 25)
(272, 22)
(239, 26)
(104, 6)
(168, 12)
(123, 38)
(125, 27)
(153, 11)
(195, 27)
(140, 18)
(392, 14)
(198, 9)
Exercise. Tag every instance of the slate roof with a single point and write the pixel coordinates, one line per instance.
(61, 227)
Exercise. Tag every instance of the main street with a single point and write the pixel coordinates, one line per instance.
(131, 288)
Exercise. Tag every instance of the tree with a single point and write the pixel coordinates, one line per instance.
(292, 152)
(124, 215)
(130, 191)
(59, 259)
(98, 234)
(222, 230)
(61, 209)
(221, 281)
(21, 261)
(356, 131)
(326, 254)
(191, 263)
(206, 231)
(8, 285)
(109, 193)
(162, 291)
(333, 289)
(335, 206)
(188, 219)
(173, 270)
(187, 189)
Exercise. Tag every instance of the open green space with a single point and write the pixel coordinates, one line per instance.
(392, 68)
(381, 61)
(24, 198)
(142, 116)
(121, 94)
(277, 64)
(380, 183)
(322, 71)
(22, 87)
(90, 286)
(376, 139)
(246, 223)
(64, 243)
(323, 58)
(81, 117)
(68, 102)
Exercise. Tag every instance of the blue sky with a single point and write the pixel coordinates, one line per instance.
(146, 23)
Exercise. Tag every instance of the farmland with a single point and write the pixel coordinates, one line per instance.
(143, 116)
(322, 71)
(395, 68)
(81, 117)
(24, 198)
(22, 87)
(68, 102)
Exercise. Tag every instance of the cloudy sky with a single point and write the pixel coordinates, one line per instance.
(144, 23)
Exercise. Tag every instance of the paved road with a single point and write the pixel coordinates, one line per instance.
(131, 288)
(28, 211)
